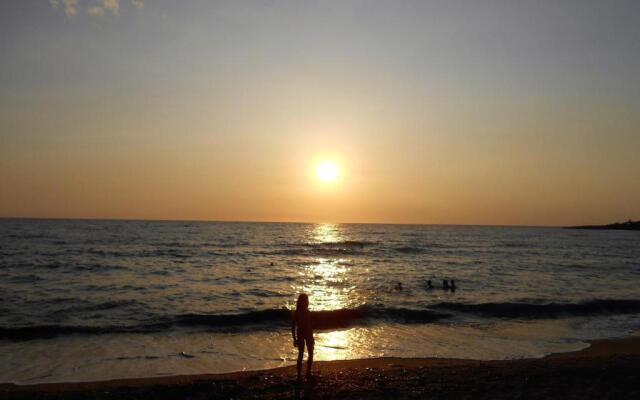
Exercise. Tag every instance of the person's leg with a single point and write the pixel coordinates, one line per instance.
(300, 354)
(310, 346)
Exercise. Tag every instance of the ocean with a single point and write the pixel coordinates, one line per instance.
(98, 299)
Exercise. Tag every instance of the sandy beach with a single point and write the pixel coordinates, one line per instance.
(607, 369)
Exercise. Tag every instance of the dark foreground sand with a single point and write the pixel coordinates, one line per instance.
(609, 369)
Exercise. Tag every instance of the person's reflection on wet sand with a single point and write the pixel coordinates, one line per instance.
(304, 390)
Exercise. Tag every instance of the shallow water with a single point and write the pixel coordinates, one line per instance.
(84, 300)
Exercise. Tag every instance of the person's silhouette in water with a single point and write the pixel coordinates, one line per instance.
(302, 331)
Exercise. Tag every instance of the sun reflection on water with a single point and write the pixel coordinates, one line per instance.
(334, 345)
(326, 233)
(326, 279)
(327, 282)
(358, 342)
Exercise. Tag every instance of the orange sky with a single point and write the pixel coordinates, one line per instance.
(437, 112)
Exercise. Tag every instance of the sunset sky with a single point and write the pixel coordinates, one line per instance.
(457, 112)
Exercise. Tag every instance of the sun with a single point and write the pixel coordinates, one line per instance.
(327, 171)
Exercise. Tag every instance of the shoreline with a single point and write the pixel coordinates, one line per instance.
(617, 359)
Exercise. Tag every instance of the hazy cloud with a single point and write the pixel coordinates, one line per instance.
(95, 11)
(71, 7)
(111, 5)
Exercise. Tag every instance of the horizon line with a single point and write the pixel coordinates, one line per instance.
(273, 222)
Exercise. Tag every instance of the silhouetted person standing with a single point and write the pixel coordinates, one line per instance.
(302, 331)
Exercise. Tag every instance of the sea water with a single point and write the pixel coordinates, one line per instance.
(96, 299)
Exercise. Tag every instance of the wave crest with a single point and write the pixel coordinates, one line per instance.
(549, 310)
(333, 319)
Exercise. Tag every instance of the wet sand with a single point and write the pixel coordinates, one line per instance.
(608, 369)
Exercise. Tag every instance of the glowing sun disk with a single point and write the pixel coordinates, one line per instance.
(327, 171)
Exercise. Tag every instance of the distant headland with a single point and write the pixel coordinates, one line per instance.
(627, 226)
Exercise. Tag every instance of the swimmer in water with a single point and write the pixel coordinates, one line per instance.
(302, 332)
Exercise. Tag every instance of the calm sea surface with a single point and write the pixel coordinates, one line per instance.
(88, 300)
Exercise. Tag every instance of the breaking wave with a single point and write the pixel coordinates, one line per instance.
(335, 319)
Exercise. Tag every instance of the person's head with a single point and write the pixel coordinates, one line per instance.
(303, 302)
